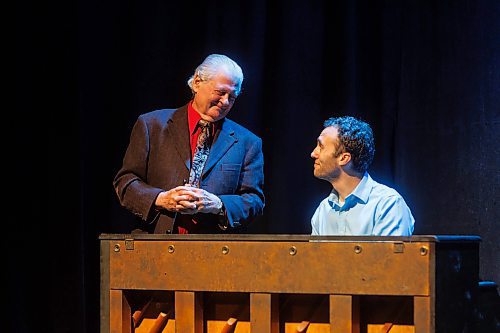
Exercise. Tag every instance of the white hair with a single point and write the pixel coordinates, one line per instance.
(212, 65)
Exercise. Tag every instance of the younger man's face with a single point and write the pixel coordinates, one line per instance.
(326, 164)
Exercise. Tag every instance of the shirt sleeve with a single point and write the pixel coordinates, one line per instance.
(393, 218)
(314, 223)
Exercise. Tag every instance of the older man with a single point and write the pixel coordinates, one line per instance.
(191, 169)
(357, 205)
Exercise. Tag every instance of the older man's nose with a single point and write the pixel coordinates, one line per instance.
(225, 99)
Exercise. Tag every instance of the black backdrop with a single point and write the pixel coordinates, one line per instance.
(424, 73)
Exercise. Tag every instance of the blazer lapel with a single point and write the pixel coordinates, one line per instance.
(224, 140)
(179, 132)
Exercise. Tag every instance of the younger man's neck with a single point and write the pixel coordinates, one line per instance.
(345, 184)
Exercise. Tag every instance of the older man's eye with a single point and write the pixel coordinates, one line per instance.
(222, 93)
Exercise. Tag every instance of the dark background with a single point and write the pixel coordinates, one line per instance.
(425, 74)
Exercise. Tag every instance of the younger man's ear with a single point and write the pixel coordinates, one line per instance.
(345, 158)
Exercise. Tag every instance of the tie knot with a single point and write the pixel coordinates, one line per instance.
(203, 123)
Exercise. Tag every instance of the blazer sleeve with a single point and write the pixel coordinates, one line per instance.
(248, 201)
(129, 183)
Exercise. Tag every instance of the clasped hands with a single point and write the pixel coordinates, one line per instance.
(188, 200)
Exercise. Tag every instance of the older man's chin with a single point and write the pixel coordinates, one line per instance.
(217, 113)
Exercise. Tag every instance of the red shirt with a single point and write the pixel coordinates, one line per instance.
(194, 129)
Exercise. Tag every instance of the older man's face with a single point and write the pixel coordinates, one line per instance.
(326, 165)
(214, 99)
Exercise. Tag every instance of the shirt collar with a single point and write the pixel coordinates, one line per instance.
(362, 191)
(333, 199)
(193, 118)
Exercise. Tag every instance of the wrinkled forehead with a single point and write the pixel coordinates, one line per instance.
(225, 80)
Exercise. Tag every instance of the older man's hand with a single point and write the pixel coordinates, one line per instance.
(189, 200)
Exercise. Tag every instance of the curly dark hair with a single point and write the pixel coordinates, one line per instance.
(356, 138)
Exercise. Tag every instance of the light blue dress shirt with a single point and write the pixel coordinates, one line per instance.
(372, 209)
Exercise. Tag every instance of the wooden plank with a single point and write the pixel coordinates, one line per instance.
(344, 314)
(203, 266)
(264, 313)
(423, 308)
(120, 314)
(104, 296)
(188, 312)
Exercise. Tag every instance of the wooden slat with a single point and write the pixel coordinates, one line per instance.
(422, 314)
(120, 314)
(264, 313)
(188, 312)
(104, 267)
(344, 314)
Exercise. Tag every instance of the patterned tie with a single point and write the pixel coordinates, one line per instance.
(200, 154)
